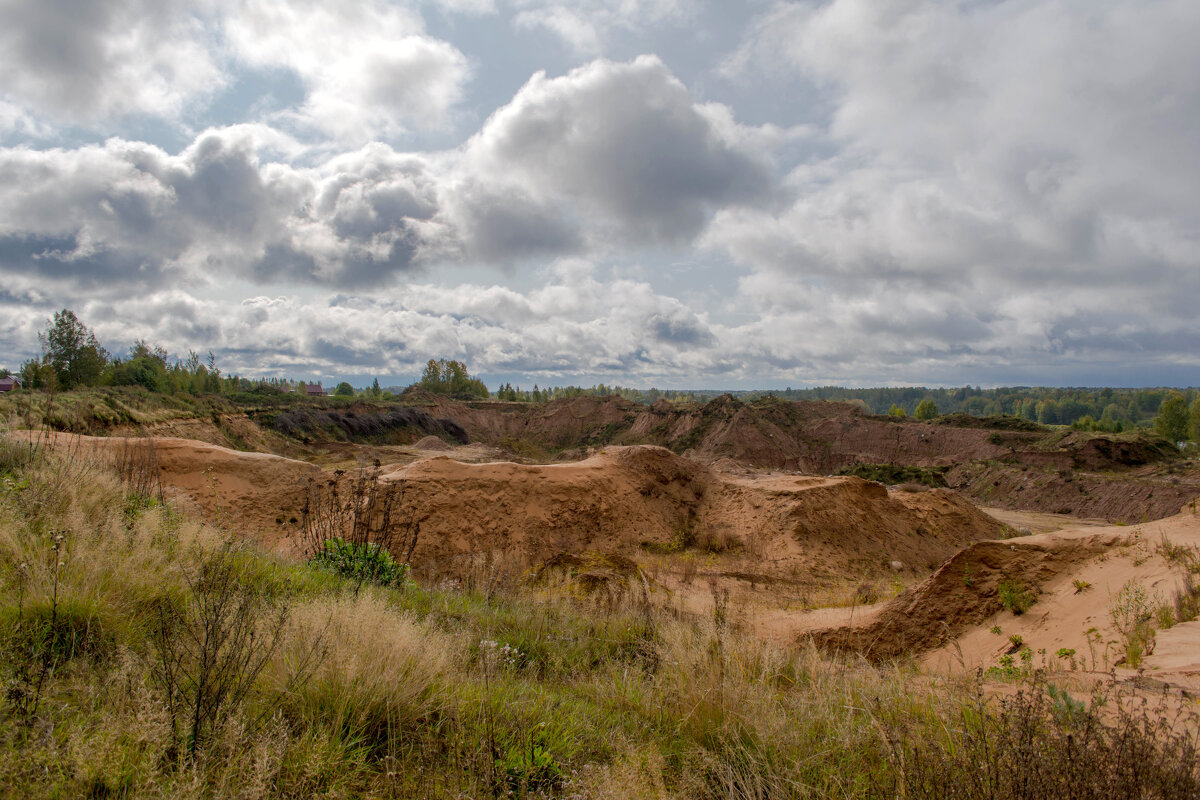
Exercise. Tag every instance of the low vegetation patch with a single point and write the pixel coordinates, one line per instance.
(893, 474)
(1015, 595)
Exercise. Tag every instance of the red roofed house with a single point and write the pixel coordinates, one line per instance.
(8, 384)
(314, 390)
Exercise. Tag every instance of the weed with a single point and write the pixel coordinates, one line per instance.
(1164, 615)
(1080, 585)
(530, 766)
(867, 593)
(1183, 556)
(1045, 744)
(362, 529)
(1131, 611)
(1006, 668)
(1015, 596)
(1187, 599)
(211, 647)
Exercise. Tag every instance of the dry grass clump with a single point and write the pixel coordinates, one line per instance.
(123, 625)
(380, 674)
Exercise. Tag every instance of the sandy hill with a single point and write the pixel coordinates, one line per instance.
(1090, 585)
(626, 500)
(633, 498)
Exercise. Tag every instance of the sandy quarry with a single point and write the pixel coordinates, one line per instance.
(777, 543)
(625, 499)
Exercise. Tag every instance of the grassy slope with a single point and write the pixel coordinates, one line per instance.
(444, 692)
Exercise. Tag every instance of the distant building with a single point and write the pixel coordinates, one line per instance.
(314, 390)
(8, 384)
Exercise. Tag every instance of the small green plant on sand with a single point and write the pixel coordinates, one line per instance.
(1131, 611)
(1165, 616)
(1080, 585)
(1015, 596)
(1067, 654)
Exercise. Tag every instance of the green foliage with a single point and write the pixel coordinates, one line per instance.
(451, 378)
(1006, 668)
(346, 390)
(71, 351)
(926, 410)
(1172, 420)
(366, 562)
(1015, 596)
(897, 411)
(1194, 420)
(1066, 709)
(530, 767)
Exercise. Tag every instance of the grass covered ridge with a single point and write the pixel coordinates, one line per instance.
(143, 654)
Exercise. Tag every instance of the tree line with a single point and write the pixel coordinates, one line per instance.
(72, 357)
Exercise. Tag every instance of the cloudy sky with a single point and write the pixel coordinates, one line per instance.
(682, 193)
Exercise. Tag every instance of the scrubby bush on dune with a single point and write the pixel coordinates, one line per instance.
(329, 692)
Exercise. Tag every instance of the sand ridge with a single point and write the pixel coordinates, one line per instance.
(954, 620)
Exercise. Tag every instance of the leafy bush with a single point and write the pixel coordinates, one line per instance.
(366, 562)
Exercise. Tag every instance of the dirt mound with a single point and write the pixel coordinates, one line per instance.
(256, 493)
(827, 437)
(965, 591)
(634, 499)
(1131, 497)
(1082, 590)
(627, 501)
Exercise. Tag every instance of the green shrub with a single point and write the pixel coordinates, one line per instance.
(367, 562)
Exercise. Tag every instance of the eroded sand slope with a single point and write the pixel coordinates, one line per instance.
(625, 500)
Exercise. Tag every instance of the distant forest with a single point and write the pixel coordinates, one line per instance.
(1096, 408)
(72, 357)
